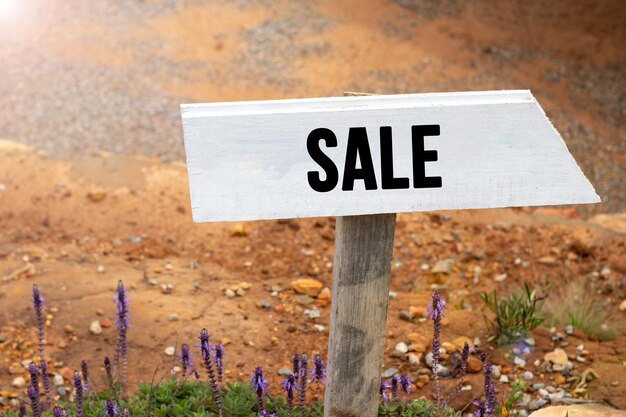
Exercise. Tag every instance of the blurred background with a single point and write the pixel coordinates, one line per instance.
(78, 76)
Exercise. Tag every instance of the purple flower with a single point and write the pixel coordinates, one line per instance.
(126, 413)
(84, 370)
(296, 366)
(59, 412)
(289, 386)
(405, 383)
(34, 375)
(435, 306)
(435, 313)
(45, 380)
(78, 392)
(110, 409)
(318, 375)
(109, 374)
(304, 363)
(205, 347)
(384, 386)
(260, 387)
(121, 350)
(33, 395)
(490, 391)
(394, 388)
(185, 358)
(21, 410)
(219, 361)
(38, 304)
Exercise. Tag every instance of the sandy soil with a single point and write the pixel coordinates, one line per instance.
(79, 80)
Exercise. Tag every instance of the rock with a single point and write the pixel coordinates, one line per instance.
(536, 404)
(95, 327)
(402, 348)
(443, 267)
(308, 286)
(496, 371)
(68, 329)
(16, 369)
(319, 328)
(325, 294)
(172, 317)
(428, 359)
(460, 341)
(106, 323)
(264, 304)
(100, 269)
(559, 379)
(18, 382)
(312, 314)
(167, 288)
(622, 306)
(393, 295)
(229, 293)
(519, 362)
(450, 347)
(442, 370)
(547, 260)
(528, 375)
(57, 380)
(557, 356)
(284, 372)
(303, 299)
(96, 195)
(406, 315)
(239, 230)
(569, 329)
(414, 359)
(578, 410)
(474, 364)
(389, 373)
(500, 277)
(170, 351)
(504, 379)
(240, 292)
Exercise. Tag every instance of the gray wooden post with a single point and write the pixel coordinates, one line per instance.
(360, 294)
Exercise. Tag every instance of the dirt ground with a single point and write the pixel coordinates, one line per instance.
(86, 88)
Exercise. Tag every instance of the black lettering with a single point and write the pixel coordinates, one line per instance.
(313, 146)
(358, 146)
(388, 181)
(420, 156)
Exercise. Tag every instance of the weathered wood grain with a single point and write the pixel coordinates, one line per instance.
(360, 293)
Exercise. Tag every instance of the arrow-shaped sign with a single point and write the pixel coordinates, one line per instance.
(376, 154)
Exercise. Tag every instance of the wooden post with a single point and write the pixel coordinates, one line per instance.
(360, 294)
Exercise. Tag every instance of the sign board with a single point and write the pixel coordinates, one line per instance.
(376, 154)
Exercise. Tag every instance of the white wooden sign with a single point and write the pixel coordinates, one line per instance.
(376, 154)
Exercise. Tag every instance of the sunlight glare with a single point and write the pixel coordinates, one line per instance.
(7, 7)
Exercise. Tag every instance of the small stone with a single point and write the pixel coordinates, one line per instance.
(18, 382)
(229, 293)
(622, 306)
(528, 375)
(170, 351)
(402, 348)
(547, 260)
(284, 372)
(428, 359)
(559, 379)
(325, 294)
(172, 317)
(389, 373)
(308, 286)
(406, 315)
(167, 288)
(519, 362)
(474, 364)
(57, 380)
(319, 328)
(106, 323)
(414, 359)
(536, 404)
(303, 299)
(100, 269)
(393, 295)
(443, 267)
(240, 292)
(68, 329)
(605, 272)
(466, 388)
(153, 282)
(62, 344)
(557, 356)
(504, 379)
(569, 329)
(96, 195)
(312, 314)
(95, 327)
(495, 370)
(500, 277)
(441, 370)
(264, 304)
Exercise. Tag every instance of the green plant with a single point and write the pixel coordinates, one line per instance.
(577, 305)
(515, 316)
(518, 387)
